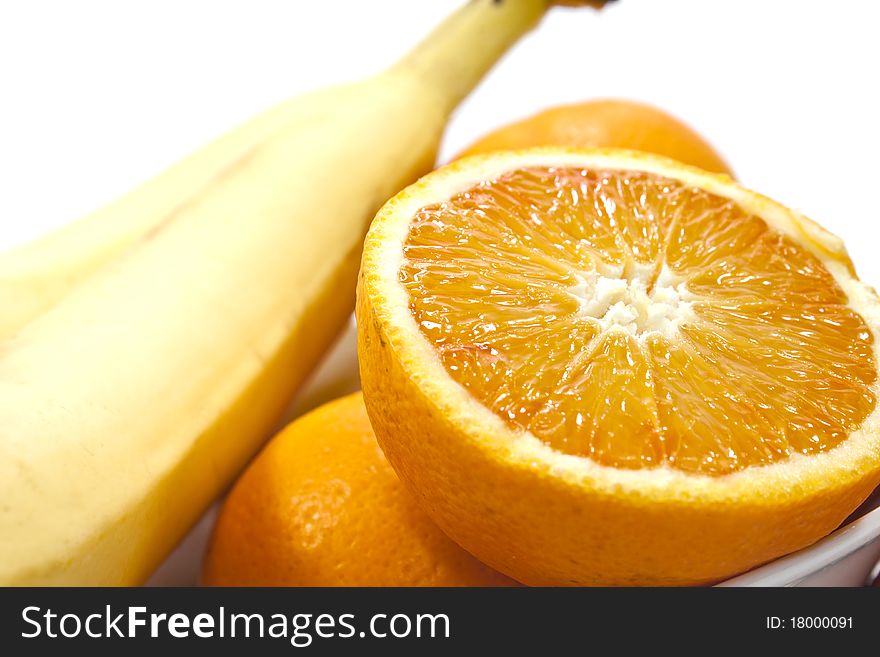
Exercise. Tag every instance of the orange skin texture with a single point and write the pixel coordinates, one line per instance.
(606, 124)
(320, 506)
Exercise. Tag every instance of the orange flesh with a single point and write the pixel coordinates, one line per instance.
(631, 319)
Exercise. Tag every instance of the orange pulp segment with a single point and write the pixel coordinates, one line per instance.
(638, 321)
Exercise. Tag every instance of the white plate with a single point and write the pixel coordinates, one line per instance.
(844, 558)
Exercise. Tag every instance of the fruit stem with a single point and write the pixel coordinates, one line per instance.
(454, 57)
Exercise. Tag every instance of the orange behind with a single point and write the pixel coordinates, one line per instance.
(606, 124)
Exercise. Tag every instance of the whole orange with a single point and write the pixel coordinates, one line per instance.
(606, 124)
(320, 506)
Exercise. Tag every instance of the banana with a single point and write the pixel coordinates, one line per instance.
(126, 409)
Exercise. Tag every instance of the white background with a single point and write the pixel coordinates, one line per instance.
(97, 95)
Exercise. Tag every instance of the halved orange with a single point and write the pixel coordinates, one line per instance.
(603, 367)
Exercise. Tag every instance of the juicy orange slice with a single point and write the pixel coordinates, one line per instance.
(603, 367)
(672, 327)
